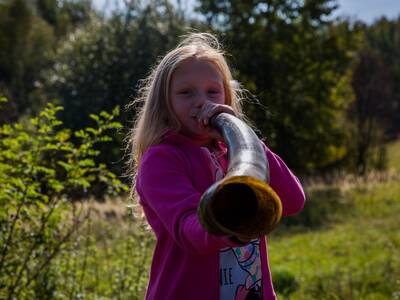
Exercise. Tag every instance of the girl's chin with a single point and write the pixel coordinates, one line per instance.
(202, 138)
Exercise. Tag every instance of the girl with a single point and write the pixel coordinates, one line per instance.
(178, 156)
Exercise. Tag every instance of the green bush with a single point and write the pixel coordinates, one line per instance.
(285, 282)
(323, 206)
(43, 168)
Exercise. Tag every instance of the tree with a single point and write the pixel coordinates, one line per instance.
(99, 65)
(29, 32)
(372, 85)
(383, 36)
(25, 39)
(291, 56)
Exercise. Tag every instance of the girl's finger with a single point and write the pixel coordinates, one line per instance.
(220, 109)
(204, 113)
(210, 109)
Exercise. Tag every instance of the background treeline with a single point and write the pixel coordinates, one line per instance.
(326, 88)
(323, 92)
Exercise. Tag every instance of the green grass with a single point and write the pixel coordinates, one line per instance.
(108, 259)
(353, 256)
(345, 245)
(393, 150)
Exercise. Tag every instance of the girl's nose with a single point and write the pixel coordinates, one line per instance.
(200, 99)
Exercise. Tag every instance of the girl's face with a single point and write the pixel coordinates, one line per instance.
(195, 84)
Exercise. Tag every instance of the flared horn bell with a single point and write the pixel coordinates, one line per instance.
(242, 204)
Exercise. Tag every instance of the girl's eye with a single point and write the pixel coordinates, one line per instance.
(184, 92)
(213, 91)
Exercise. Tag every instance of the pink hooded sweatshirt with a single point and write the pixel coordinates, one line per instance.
(172, 176)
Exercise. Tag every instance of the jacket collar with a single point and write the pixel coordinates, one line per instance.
(176, 138)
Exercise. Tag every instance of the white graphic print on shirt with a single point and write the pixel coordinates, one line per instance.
(240, 267)
(240, 272)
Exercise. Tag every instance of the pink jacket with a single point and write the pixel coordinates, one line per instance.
(171, 178)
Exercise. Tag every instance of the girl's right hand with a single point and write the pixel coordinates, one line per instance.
(209, 109)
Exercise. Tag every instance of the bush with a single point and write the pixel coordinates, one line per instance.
(323, 206)
(285, 282)
(41, 171)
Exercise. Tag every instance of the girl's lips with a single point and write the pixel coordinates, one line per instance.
(198, 123)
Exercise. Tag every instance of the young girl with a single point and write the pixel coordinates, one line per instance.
(178, 156)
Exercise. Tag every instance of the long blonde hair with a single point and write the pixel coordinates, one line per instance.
(156, 117)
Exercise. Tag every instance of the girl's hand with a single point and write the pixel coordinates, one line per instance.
(210, 109)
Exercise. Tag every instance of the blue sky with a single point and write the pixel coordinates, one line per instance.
(369, 10)
(366, 10)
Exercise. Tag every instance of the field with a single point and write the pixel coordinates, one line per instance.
(346, 242)
(344, 245)
(353, 253)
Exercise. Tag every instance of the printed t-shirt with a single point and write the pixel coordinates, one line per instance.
(240, 267)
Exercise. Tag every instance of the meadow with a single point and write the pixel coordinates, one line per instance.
(344, 245)
(346, 242)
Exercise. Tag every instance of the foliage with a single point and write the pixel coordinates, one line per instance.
(284, 282)
(383, 37)
(64, 15)
(41, 170)
(323, 206)
(25, 38)
(371, 109)
(292, 57)
(99, 65)
(29, 33)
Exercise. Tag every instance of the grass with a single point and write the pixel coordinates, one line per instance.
(352, 252)
(393, 150)
(344, 245)
(355, 258)
(109, 258)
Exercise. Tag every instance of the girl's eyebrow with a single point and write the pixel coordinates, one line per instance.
(185, 83)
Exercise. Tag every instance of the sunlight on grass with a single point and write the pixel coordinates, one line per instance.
(394, 155)
(357, 258)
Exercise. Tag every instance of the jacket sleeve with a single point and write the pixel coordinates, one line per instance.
(164, 185)
(285, 184)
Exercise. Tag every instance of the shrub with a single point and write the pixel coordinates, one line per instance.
(323, 206)
(42, 168)
(285, 282)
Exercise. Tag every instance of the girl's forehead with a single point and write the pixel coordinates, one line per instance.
(197, 68)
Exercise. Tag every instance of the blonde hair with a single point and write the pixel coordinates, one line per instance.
(156, 117)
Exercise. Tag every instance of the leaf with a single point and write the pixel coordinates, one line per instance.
(94, 117)
(66, 166)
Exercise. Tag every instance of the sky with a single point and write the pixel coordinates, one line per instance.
(365, 10)
(369, 10)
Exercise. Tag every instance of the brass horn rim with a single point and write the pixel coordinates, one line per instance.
(267, 201)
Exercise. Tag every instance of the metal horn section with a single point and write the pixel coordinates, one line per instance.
(242, 204)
